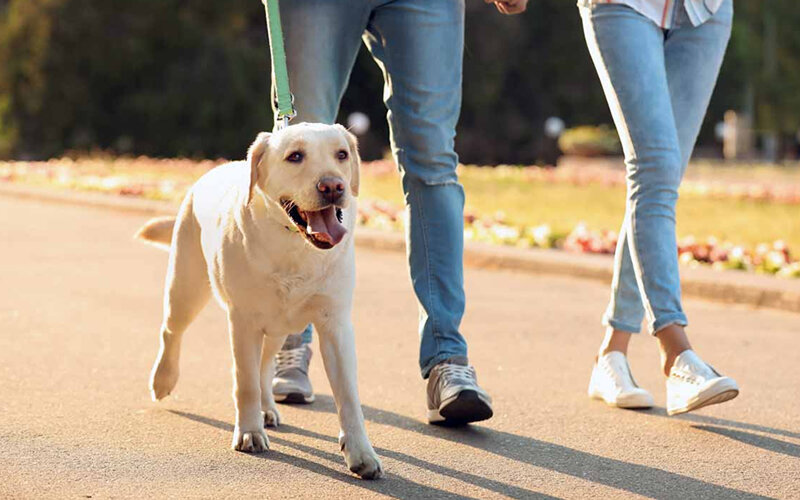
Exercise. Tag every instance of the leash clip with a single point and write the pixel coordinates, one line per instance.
(282, 119)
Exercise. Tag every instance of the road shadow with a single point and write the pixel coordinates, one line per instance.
(480, 481)
(763, 442)
(634, 478)
(392, 485)
(737, 431)
(714, 421)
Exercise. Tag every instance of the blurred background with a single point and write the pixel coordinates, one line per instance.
(169, 78)
(140, 98)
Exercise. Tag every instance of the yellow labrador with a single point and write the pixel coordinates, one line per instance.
(271, 237)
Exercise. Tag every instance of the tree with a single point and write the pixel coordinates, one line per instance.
(158, 77)
(180, 77)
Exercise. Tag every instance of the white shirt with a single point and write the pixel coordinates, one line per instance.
(665, 12)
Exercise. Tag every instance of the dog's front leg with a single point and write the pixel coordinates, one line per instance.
(246, 341)
(337, 343)
(272, 417)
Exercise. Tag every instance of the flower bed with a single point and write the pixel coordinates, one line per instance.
(766, 258)
(169, 179)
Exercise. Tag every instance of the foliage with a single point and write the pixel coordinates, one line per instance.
(590, 141)
(161, 77)
(171, 77)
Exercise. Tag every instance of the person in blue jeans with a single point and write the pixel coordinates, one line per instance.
(658, 62)
(418, 45)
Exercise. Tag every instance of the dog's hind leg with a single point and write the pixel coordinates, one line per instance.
(337, 344)
(272, 418)
(186, 292)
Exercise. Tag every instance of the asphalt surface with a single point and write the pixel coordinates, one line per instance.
(80, 305)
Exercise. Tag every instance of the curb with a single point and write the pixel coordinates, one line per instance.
(729, 287)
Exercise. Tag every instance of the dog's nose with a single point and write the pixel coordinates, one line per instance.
(332, 188)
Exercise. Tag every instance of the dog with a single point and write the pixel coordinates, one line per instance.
(272, 238)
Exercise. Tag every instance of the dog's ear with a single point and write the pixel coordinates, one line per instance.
(254, 156)
(352, 142)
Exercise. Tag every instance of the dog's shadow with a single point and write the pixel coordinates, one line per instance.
(634, 478)
(394, 486)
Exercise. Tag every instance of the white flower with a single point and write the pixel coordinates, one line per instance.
(776, 259)
(541, 235)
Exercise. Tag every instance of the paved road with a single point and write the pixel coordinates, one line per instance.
(80, 305)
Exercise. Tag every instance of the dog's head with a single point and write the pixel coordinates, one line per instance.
(310, 171)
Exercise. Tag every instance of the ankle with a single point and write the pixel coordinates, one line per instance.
(668, 358)
(614, 340)
(672, 341)
(606, 349)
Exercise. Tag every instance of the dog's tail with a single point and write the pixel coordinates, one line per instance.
(157, 232)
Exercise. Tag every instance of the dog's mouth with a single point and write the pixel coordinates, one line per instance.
(322, 228)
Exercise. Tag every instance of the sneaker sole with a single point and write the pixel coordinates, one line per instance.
(634, 403)
(716, 394)
(466, 407)
(293, 398)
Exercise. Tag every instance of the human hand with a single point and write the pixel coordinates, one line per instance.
(509, 6)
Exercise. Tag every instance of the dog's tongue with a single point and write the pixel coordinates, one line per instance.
(326, 226)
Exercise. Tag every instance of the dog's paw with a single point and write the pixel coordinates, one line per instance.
(360, 458)
(163, 379)
(272, 418)
(250, 442)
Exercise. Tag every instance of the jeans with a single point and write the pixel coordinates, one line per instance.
(658, 84)
(418, 44)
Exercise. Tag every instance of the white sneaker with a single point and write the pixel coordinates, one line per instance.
(692, 384)
(613, 383)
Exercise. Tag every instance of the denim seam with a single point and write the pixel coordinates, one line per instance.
(629, 228)
(612, 309)
(635, 259)
(428, 272)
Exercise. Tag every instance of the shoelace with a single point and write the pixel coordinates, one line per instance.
(449, 372)
(692, 377)
(689, 378)
(291, 358)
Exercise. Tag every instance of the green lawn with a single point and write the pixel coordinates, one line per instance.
(563, 205)
(582, 193)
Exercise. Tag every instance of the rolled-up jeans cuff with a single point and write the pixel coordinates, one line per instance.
(665, 321)
(428, 366)
(621, 325)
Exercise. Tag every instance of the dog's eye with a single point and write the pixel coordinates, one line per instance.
(342, 154)
(295, 157)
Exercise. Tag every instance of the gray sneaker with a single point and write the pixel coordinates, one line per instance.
(454, 397)
(291, 383)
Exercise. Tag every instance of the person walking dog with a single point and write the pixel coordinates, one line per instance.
(658, 62)
(418, 45)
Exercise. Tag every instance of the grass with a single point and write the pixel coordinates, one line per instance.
(530, 202)
(525, 200)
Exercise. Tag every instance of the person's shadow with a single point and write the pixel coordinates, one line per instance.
(634, 478)
(720, 426)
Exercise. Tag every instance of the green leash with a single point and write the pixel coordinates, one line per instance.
(283, 104)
